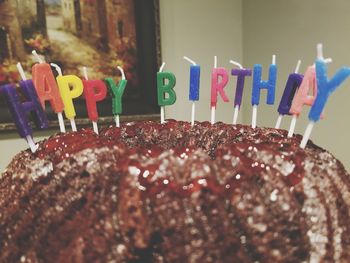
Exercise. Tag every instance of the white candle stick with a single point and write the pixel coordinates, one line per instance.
(212, 115)
(117, 121)
(236, 111)
(193, 110)
(21, 71)
(279, 119)
(37, 57)
(116, 117)
(292, 126)
(95, 127)
(59, 114)
(31, 143)
(33, 147)
(85, 73)
(254, 115)
(235, 115)
(162, 108)
(307, 134)
(72, 123)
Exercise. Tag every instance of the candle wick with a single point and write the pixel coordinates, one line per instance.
(122, 72)
(236, 64)
(273, 59)
(190, 60)
(297, 67)
(38, 58)
(57, 67)
(85, 73)
(319, 49)
(162, 67)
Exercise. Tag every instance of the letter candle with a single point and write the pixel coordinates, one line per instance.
(241, 73)
(194, 86)
(164, 88)
(219, 79)
(70, 87)
(325, 88)
(259, 84)
(47, 89)
(116, 92)
(94, 91)
(293, 83)
(19, 109)
(302, 98)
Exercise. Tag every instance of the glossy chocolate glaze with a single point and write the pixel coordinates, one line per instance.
(150, 192)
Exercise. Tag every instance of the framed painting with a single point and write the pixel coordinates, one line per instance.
(97, 34)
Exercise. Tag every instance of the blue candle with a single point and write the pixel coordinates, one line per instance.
(325, 87)
(259, 84)
(241, 74)
(18, 109)
(195, 71)
(293, 83)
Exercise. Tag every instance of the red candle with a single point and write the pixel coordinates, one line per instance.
(94, 91)
(46, 87)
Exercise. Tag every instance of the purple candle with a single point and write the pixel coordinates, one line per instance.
(19, 109)
(293, 83)
(241, 74)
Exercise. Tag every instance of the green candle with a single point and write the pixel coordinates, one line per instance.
(116, 92)
(165, 85)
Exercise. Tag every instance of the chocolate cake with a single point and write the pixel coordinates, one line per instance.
(150, 192)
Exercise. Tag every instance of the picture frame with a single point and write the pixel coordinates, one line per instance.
(140, 97)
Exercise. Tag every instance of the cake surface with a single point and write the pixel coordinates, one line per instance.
(150, 192)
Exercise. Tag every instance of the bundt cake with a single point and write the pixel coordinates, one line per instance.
(151, 192)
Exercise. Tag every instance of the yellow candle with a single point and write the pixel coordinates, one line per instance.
(70, 87)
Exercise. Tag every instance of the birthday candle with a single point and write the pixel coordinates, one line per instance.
(47, 89)
(325, 88)
(164, 88)
(293, 83)
(219, 79)
(19, 109)
(70, 87)
(194, 86)
(302, 97)
(259, 84)
(117, 92)
(94, 91)
(241, 73)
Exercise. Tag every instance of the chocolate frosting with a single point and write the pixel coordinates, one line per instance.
(151, 192)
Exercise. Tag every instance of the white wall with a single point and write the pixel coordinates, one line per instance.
(200, 29)
(291, 29)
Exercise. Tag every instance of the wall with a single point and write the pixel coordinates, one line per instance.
(291, 29)
(200, 29)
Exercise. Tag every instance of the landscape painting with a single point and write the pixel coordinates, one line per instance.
(97, 34)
